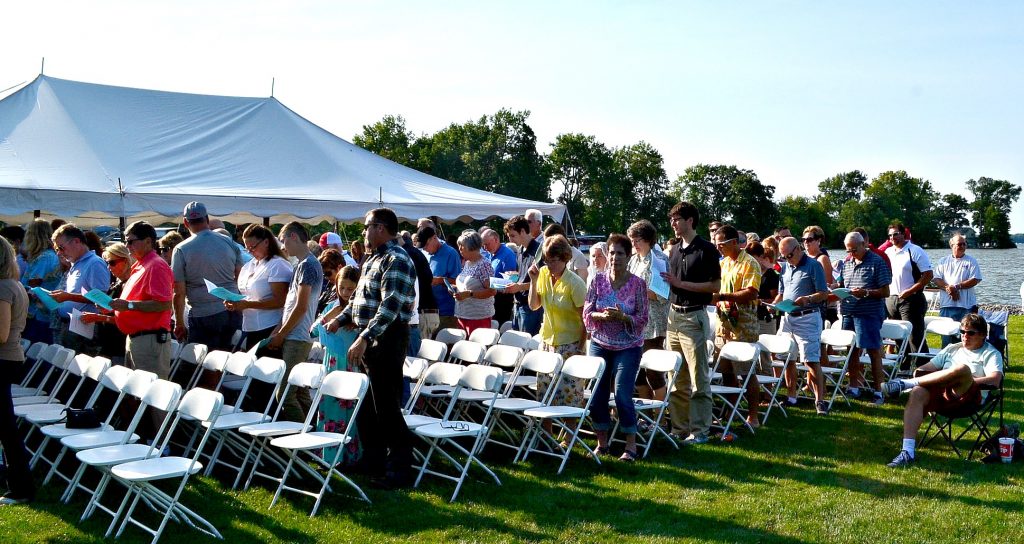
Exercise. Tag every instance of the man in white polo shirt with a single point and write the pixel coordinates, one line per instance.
(911, 272)
(956, 274)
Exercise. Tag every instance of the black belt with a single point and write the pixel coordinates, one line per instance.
(686, 309)
(146, 333)
(799, 313)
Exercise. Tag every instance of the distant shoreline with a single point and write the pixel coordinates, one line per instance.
(1014, 309)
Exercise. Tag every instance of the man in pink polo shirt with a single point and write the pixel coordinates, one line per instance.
(144, 310)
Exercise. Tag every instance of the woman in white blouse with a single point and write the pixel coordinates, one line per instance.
(264, 282)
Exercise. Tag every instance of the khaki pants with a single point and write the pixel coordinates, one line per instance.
(690, 403)
(297, 403)
(429, 323)
(145, 353)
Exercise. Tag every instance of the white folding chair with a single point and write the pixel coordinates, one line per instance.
(541, 363)
(450, 336)
(432, 350)
(733, 397)
(779, 348)
(443, 436)
(843, 342)
(234, 380)
(302, 375)
(266, 370)
(487, 337)
(139, 476)
(136, 386)
(895, 333)
(506, 326)
(943, 326)
(103, 454)
(495, 324)
(462, 353)
(579, 367)
(190, 354)
(50, 414)
(33, 362)
(652, 411)
(215, 361)
(56, 359)
(414, 368)
(64, 390)
(340, 385)
(437, 375)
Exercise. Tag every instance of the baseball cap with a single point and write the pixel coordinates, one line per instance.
(423, 235)
(195, 211)
(329, 238)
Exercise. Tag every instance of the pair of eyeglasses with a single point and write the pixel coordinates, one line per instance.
(251, 247)
(895, 234)
(725, 242)
(130, 241)
(456, 426)
(969, 333)
(811, 239)
(113, 262)
(789, 255)
(161, 250)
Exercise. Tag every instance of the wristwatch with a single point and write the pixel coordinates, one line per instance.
(131, 305)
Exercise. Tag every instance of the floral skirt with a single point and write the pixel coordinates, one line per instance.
(570, 390)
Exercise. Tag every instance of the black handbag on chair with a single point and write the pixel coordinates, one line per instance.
(81, 418)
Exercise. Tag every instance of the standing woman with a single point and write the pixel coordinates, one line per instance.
(335, 414)
(112, 341)
(643, 236)
(598, 261)
(474, 298)
(264, 282)
(561, 292)
(166, 245)
(769, 285)
(13, 314)
(42, 270)
(331, 261)
(358, 252)
(615, 314)
(813, 239)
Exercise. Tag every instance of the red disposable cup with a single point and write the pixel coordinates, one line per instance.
(1006, 449)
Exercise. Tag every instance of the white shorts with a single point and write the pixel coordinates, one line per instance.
(806, 331)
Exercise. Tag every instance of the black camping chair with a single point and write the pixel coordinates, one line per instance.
(977, 420)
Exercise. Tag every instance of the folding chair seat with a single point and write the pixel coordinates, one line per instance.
(462, 353)
(779, 348)
(137, 387)
(437, 375)
(189, 361)
(302, 375)
(976, 420)
(340, 385)
(444, 436)
(450, 336)
(138, 476)
(652, 411)
(265, 370)
(487, 337)
(841, 341)
(567, 419)
(540, 363)
(735, 352)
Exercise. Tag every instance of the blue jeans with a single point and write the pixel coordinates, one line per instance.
(622, 367)
(214, 331)
(955, 313)
(527, 320)
(414, 348)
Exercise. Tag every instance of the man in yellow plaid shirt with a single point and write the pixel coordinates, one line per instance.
(737, 311)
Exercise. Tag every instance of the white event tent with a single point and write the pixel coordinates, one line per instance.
(96, 153)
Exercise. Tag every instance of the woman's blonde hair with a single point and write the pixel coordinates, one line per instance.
(8, 261)
(118, 250)
(37, 239)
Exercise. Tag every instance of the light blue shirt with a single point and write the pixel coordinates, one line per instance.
(87, 273)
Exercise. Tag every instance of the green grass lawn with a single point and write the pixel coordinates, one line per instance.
(800, 479)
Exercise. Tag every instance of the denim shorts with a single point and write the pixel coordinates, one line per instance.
(868, 329)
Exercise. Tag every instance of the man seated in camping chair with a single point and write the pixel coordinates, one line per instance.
(952, 381)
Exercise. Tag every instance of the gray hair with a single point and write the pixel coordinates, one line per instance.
(533, 215)
(488, 232)
(470, 240)
(853, 237)
(957, 237)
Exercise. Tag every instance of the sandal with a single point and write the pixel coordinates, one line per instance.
(600, 451)
(628, 456)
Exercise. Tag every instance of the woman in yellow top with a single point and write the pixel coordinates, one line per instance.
(561, 292)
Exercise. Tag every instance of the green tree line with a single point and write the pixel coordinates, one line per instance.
(607, 188)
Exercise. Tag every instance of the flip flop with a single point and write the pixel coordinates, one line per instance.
(628, 456)
(600, 451)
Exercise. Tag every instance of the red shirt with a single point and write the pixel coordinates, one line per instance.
(151, 279)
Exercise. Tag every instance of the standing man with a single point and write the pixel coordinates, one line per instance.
(380, 309)
(782, 232)
(205, 255)
(445, 263)
(871, 247)
(292, 337)
(425, 303)
(503, 259)
(803, 281)
(694, 275)
(956, 275)
(868, 278)
(911, 272)
(518, 231)
(736, 302)
(87, 272)
(536, 220)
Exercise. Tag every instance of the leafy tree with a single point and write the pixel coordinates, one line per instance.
(728, 194)
(901, 197)
(992, 202)
(581, 165)
(388, 138)
(640, 175)
(799, 212)
(839, 189)
(951, 213)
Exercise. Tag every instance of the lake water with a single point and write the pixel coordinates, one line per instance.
(1002, 271)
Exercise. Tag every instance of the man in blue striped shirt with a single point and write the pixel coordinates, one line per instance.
(381, 308)
(867, 277)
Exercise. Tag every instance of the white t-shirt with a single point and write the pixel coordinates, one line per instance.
(254, 282)
(902, 274)
(954, 272)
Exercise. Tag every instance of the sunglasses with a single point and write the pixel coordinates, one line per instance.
(789, 255)
(805, 240)
(113, 262)
(725, 242)
(969, 333)
(895, 234)
(162, 250)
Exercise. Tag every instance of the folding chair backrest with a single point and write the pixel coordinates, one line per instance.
(740, 352)
(26, 343)
(661, 360)
(316, 353)
(504, 356)
(306, 375)
(79, 364)
(542, 362)
(239, 363)
(267, 370)
(97, 367)
(487, 337)
(838, 338)
(200, 405)
(466, 352)
(432, 350)
(139, 383)
(776, 344)
(583, 367)
(176, 348)
(506, 326)
(116, 378)
(162, 395)
(481, 378)
(450, 336)
(443, 374)
(896, 331)
(34, 350)
(236, 339)
(193, 353)
(216, 360)
(943, 326)
(343, 385)
(413, 368)
(518, 339)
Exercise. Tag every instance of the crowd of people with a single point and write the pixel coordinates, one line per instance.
(371, 304)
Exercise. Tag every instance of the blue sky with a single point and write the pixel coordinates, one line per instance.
(796, 91)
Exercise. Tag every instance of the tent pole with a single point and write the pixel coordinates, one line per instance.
(36, 214)
(568, 220)
(266, 222)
